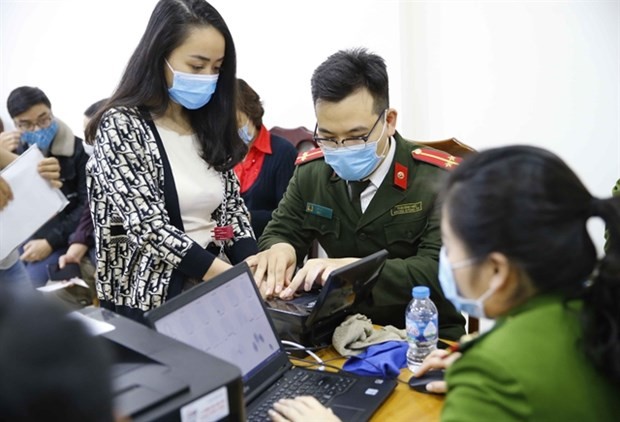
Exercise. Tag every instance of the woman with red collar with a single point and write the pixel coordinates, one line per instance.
(266, 170)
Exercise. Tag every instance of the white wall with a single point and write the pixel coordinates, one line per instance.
(76, 50)
(545, 73)
(488, 73)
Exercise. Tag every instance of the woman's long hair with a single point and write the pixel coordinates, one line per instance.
(143, 83)
(526, 203)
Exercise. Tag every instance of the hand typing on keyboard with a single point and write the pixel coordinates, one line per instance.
(301, 409)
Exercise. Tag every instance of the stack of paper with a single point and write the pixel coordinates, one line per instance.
(34, 202)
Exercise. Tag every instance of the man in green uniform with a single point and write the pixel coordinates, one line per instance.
(359, 145)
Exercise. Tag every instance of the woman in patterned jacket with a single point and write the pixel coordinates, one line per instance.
(163, 196)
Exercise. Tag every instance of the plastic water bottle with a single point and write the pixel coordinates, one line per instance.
(422, 329)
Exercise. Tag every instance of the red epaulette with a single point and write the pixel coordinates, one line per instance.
(436, 157)
(308, 156)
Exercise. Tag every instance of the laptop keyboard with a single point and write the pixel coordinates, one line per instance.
(322, 385)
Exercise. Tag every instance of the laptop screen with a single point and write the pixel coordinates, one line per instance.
(226, 320)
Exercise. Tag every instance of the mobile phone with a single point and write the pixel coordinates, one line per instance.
(70, 271)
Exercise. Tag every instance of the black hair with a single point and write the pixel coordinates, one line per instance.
(94, 108)
(527, 204)
(51, 368)
(248, 101)
(143, 83)
(347, 71)
(24, 97)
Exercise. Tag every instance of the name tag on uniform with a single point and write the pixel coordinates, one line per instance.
(409, 208)
(321, 211)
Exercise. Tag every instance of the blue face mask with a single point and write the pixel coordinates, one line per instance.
(355, 162)
(473, 307)
(191, 91)
(43, 137)
(244, 134)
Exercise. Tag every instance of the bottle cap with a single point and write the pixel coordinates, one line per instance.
(421, 292)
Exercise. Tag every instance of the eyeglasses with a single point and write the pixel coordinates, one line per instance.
(333, 143)
(42, 122)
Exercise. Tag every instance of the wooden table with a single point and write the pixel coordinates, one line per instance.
(404, 404)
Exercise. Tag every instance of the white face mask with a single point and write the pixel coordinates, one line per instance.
(473, 307)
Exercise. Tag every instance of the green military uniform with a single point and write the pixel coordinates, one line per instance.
(530, 368)
(401, 218)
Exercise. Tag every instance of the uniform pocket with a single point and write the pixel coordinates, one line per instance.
(405, 230)
(323, 226)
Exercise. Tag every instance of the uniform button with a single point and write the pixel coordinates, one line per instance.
(323, 226)
(363, 236)
(409, 235)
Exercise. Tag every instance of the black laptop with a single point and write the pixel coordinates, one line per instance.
(311, 317)
(226, 317)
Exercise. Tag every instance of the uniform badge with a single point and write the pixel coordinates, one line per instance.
(307, 156)
(409, 208)
(320, 210)
(438, 158)
(400, 176)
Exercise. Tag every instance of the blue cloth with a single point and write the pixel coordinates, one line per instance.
(384, 360)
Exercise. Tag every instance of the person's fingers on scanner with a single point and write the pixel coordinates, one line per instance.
(290, 271)
(260, 268)
(252, 262)
(295, 283)
(326, 272)
(313, 274)
(281, 265)
(275, 272)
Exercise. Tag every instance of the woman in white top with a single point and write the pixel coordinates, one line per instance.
(164, 199)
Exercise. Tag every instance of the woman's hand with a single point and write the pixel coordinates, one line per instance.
(438, 359)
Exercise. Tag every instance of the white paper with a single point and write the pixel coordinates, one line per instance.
(34, 202)
(94, 326)
(52, 286)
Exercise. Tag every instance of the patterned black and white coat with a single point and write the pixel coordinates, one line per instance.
(143, 254)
